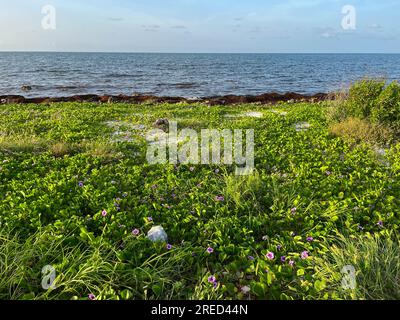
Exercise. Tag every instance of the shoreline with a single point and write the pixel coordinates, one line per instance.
(266, 98)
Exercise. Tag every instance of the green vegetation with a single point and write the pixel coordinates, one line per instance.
(75, 184)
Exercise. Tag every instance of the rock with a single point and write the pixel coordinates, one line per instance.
(157, 233)
(302, 126)
(253, 114)
(162, 124)
(26, 88)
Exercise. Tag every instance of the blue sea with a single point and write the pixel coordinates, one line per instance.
(187, 75)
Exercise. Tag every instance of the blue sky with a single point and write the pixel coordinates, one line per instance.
(201, 26)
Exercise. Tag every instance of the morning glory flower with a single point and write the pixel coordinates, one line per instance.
(219, 198)
(104, 213)
(80, 184)
(283, 259)
(135, 232)
(210, 250)
(169, 246)
(304, 255)
(91, 296)
(310, 239)
(270, 256)
(212, 279)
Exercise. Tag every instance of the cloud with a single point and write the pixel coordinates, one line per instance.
(375, 27)
(115, 19)
(179, 27)
(151, 28)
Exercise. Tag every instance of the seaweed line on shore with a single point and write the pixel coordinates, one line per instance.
(265, 98)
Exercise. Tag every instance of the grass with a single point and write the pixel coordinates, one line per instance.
(376, 261)
(360, 130)
(64, 164)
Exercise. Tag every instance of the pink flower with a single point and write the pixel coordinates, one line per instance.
(104, 213)
(270, 256)
(304, 255)
(91, 296)
(135, 232)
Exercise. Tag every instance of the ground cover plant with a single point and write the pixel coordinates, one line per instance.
(77, 193)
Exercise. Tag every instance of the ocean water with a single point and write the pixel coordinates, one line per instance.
(187, 75)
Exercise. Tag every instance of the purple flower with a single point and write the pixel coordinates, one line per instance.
(80, 184)
(135, 232)
(283, 259)
(328, 173)
(104, 213)
(380, 223)
(310, 239)
(251, 258)
(149, 219)
(304, 255)
(210, 250)
(270, 256)
(212, 279)
(91, 296)
(279, 247)
(169, 246)
(219, 198)
(293, 210)
(291, 263)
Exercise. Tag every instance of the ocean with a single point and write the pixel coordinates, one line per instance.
(187, 75)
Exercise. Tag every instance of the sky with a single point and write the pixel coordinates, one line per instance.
(287, 26)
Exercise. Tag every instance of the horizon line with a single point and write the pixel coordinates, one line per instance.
(172, 52)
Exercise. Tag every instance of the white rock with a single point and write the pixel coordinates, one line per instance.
(157, 233)
(302, 126)
(253, 114)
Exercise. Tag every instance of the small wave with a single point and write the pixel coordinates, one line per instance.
(122, 75)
